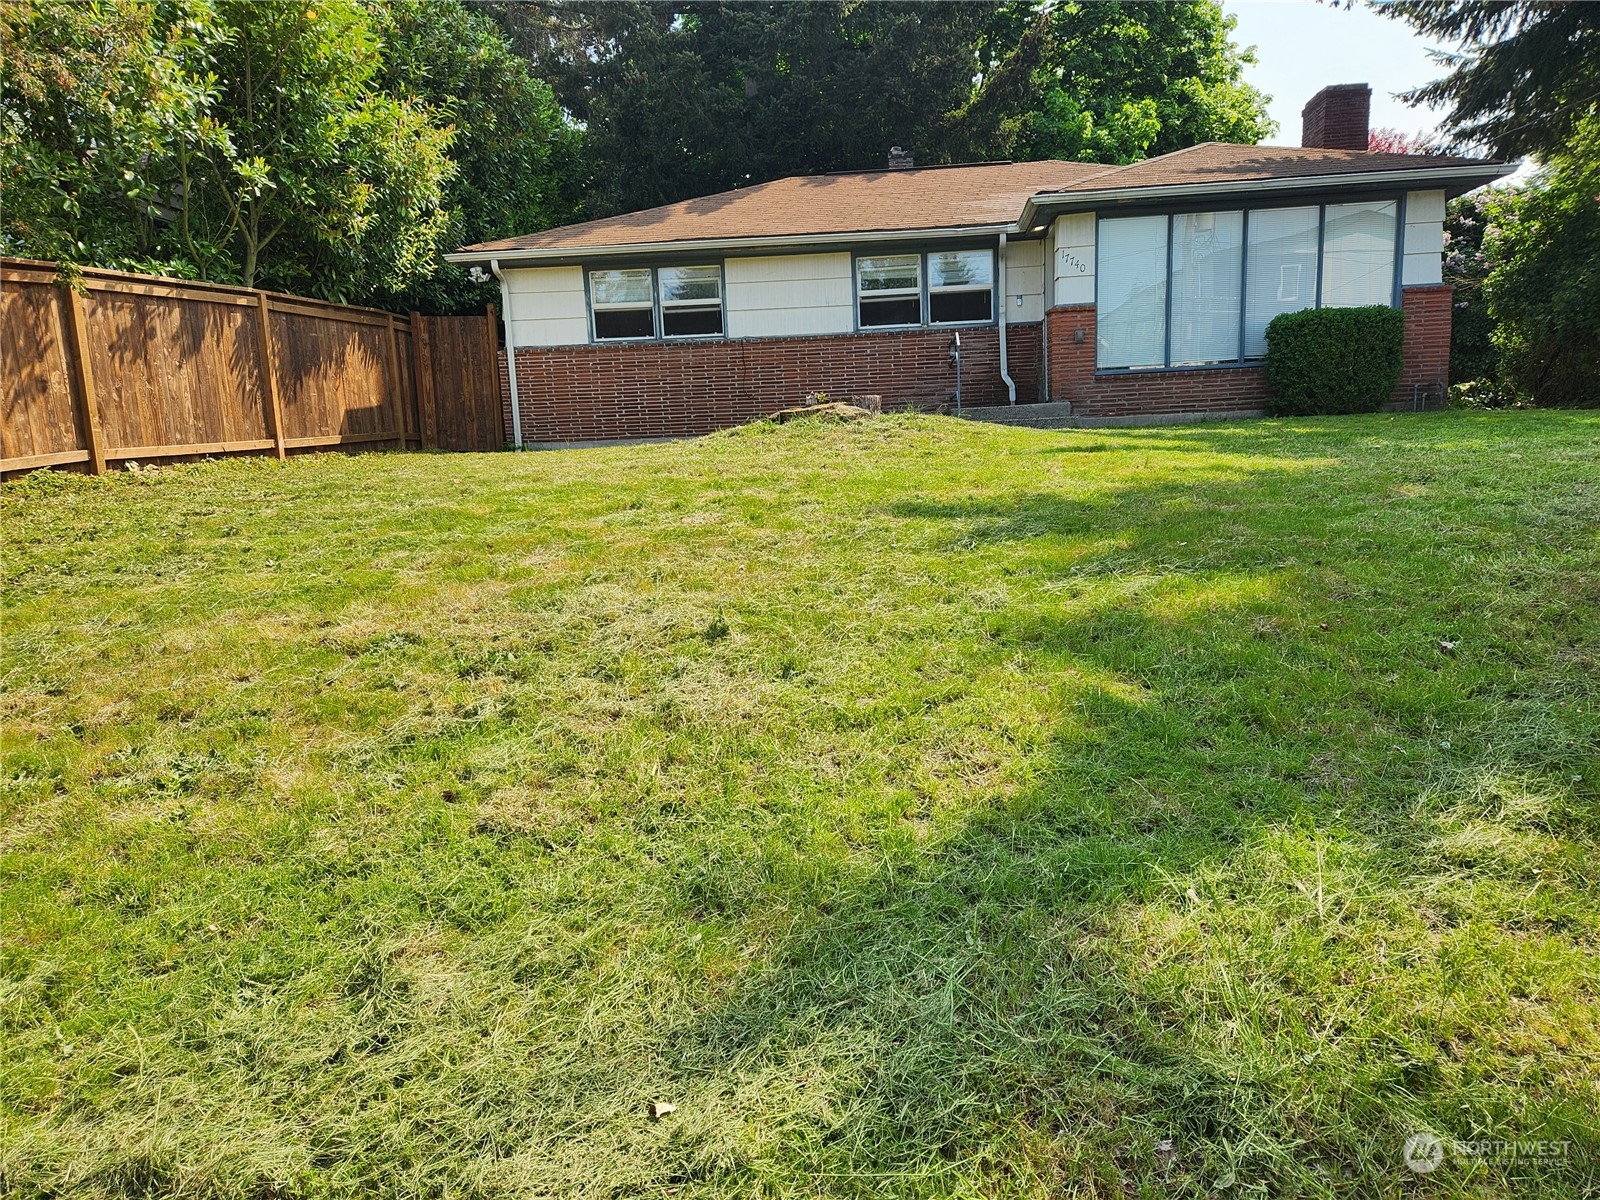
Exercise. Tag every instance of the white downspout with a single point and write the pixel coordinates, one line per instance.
(1000, 288)
(511, 354)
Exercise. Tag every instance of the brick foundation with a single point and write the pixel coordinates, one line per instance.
(1223, 389)
(1144, 393)
(679, 389)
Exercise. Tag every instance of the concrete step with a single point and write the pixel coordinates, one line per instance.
(1059, 415)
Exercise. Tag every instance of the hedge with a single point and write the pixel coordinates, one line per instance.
(1333, 360)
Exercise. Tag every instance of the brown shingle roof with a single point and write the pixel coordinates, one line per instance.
(855, 202)
(975, 194)
(1219, 162)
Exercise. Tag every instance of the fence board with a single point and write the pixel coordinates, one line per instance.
(172, 371)
(175, 369)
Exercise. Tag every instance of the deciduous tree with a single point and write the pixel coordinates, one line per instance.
(685, 99)
(333, 148)
(97, 101)
(1116, 81)
(517, 158)
(316, 154)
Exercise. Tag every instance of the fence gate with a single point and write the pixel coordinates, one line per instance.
(458, 381)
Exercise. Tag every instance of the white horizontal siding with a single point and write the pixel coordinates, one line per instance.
(1074, 259)
(548, 306)
(1024, 280)
(789, 294)
(1424, 239)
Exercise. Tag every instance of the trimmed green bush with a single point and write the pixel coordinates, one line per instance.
(1333, 360)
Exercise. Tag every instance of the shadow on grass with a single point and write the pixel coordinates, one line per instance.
(1125, 975)
(1236, 916)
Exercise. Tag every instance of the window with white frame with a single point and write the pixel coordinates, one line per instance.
(889, 289)
(960, 286)
(623, 303)
(1198, 289)
(691, 301)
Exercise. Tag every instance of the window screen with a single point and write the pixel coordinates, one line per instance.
(691, 301)
(1358, 254)
(1282, 269)
(1207, 251)
(623, 306)
(889, 289)
(960, 286)
(1132, 285)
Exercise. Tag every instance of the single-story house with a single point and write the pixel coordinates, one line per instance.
(1141, 290)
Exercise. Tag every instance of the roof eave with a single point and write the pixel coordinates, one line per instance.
(564, 255)
(1472, 175)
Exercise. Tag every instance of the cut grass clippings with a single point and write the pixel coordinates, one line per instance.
(904, 808)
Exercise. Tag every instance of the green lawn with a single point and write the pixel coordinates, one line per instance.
(924, 808)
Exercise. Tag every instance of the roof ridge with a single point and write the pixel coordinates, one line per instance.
(750, 187)
(1156, 158)
(990, 162)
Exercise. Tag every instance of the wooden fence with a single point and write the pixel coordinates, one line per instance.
(457, 366)
(136, 367)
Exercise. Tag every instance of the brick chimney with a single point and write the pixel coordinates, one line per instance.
(900, 160)
(1336, 117)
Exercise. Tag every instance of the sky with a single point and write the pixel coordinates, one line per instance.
(1304, 46)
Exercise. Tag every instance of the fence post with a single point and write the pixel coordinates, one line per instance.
(399, 389)
(269, 378)
(422, 368)
(89, 402)
(408, 400)
(493, 329)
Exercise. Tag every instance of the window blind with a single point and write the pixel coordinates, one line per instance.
(1131, 325)
(1207, 250)
(1282, 269)
(1358, 254)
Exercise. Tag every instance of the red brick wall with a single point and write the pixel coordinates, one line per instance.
(1427, 358)
(1072, 377)
(677, 389)
(1223, 389)
(1025, 361)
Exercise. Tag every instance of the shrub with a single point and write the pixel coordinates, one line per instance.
(1333, 360)
(1544, 288)
(1482, 393)
(1473, 355)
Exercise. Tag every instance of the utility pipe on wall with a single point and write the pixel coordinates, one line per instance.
(1000, 295)
(511, 354)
